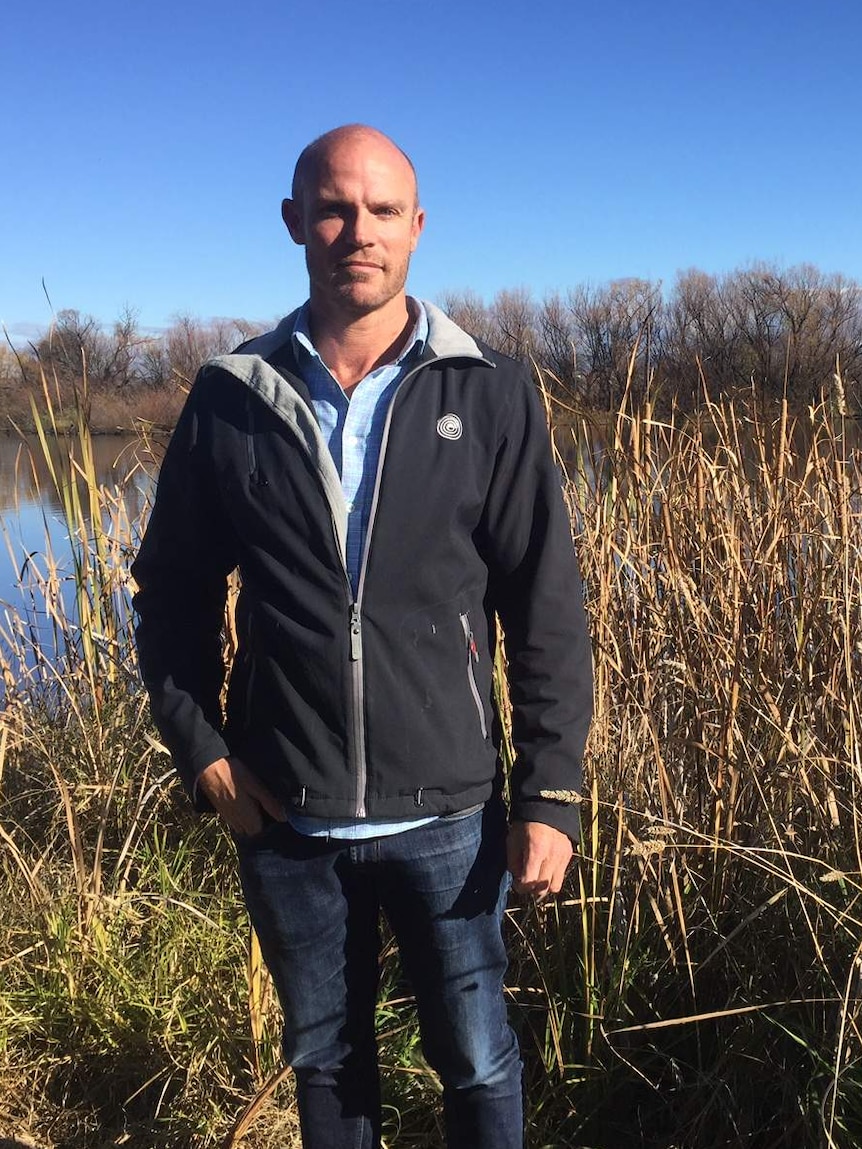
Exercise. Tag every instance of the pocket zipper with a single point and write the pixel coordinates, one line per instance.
(472, 659)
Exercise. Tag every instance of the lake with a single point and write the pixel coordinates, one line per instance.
(35, 537)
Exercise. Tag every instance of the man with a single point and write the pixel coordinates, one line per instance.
(384, 485)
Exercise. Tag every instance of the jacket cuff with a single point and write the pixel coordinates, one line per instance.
(191, 769)
(563, 816)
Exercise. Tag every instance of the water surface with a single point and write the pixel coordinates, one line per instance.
(34, 536)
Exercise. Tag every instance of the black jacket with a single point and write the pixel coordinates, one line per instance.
(383, 706)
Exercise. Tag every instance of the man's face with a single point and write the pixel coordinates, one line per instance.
(357, 218)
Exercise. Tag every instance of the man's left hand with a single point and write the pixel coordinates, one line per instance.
(538, 856)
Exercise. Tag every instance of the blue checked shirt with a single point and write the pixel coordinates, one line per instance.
(353, 430)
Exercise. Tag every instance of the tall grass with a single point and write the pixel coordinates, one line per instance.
(697, 985)
(710, 993)
(123, 1000)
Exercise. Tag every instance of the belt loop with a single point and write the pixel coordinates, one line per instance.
(417, 798)
(302, 794)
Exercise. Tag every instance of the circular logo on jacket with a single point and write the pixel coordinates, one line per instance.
(449, 427)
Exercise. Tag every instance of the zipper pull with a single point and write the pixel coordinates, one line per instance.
(355, 633)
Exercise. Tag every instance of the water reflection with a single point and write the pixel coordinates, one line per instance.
(25, 474)
(35, 544)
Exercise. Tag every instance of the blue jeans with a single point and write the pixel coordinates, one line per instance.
(315, 907)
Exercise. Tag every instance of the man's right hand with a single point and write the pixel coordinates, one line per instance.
(237, 795)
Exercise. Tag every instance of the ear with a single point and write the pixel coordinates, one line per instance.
(418, 224)
(292, 217)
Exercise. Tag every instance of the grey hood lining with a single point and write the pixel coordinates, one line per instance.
(289, 405)
(446, 338)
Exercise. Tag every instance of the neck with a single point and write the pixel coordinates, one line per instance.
(352, 346)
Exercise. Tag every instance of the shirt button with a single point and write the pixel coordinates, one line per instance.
(350, 508)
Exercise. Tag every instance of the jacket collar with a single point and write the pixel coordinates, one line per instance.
(446, 340)
(256, 365)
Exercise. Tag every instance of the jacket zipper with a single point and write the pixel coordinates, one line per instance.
(357, 675)
(356, 750)
(357, 669)
(472, 659)
(358, 759)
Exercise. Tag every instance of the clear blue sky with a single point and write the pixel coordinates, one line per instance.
(146, 146)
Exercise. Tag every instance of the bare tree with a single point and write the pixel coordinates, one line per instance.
(557, 350)
(700, 337)
(616, 328)
(469, 311)
(778, 330)
(513, 315)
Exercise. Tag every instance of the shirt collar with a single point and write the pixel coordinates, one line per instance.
(303, 345)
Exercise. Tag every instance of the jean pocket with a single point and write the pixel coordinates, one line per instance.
(252, 841)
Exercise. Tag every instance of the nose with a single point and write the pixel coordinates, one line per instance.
(358, 231)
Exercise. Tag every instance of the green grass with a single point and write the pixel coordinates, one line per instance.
(697, 985)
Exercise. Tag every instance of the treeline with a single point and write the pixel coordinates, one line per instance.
(124, 373)
(777, 331)
(780, 332)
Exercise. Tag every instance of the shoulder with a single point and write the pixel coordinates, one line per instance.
(270, 343)
(509, 372)
(457, 350)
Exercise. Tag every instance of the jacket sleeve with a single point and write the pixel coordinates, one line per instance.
(181, 573)
(536, 589)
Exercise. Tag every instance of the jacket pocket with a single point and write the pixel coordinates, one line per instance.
(251, 672)
(472, 660)
(241, 686)
(250, 675)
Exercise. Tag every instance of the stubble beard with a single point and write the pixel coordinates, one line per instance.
(355, 291)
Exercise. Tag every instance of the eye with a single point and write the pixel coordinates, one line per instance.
(329, 209)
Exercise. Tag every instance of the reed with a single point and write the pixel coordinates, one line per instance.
(698, 983)
(709, 961)
(123, 1001)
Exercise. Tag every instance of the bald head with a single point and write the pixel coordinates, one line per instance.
(314, 158)
(354, 209)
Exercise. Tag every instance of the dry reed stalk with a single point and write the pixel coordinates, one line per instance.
(722, 561)
(702, 976)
